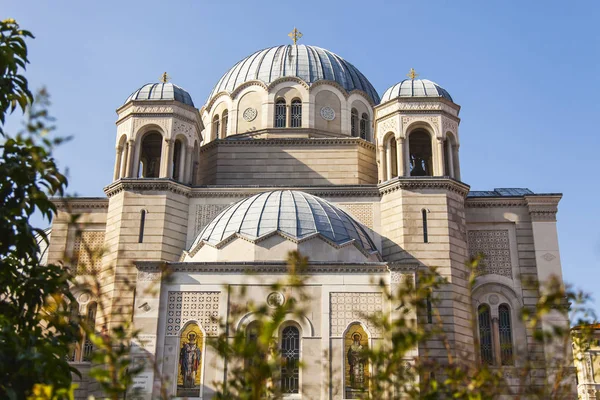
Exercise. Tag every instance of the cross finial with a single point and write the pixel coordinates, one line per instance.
(412, 74)
(164, 78)
(295, 35)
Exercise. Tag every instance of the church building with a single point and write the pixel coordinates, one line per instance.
(294, 149)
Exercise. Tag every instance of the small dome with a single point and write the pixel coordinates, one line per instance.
(309, 63)
(295, 214)
(415, 88)
(161, 91)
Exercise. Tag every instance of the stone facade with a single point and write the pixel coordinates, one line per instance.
(179, 169)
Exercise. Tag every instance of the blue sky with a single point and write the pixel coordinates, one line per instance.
(526, 73)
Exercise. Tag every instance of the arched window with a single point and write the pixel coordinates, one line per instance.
(364, 126)
(150, 155)
(290, 363)
(419, 145)
(486, 347)
(177, 160)
(216, 127)
(296, 113)
(224, 123)
(142, 225)
(74, 318)
(505, 330)
(354, 123)
(88, 346)
(425, 233)
(255, 354)
(280, 113)
(394, 156)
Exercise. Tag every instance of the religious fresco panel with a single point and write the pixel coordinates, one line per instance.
(356, 365)
(189, 370)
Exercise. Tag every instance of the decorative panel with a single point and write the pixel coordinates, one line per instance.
(206, 213)
(202, 307)
(87, 250)
(346, 308)
(363, 213)
(496, 247)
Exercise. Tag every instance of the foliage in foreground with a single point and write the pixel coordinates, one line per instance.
(34, 333)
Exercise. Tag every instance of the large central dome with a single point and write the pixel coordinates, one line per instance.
(309, 63)
(295, 214)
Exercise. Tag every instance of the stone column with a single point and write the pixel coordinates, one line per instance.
(439, 162)
(450, 150)
(129, 163)
(182, 164)
(400, 153)
(189, 159)
(117, 173)
(388, 161)
(288, 116)
(455, 161)
(166, 170)
(381, 165)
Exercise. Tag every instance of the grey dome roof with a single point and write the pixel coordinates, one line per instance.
(415, 88)
(309, 63)
(161, 91)
(293, 213)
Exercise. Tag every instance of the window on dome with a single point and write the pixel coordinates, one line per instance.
(296, 113)
(280, 113)
(364, 126)
(215, 127)
(419, 145)
(486, 347)
(354, 123)
(290, 363)
(224, 123)
(150, 155)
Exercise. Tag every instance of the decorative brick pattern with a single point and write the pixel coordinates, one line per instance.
(496, 247)
(363, 213)
(346, 308)
(206, 213)
(202, 307)
(87, 250)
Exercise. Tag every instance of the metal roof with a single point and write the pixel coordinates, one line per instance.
(293, 213)
(415, 88)
(309, 63)
(501, 192)
(161, 91)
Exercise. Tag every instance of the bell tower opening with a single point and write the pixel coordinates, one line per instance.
(420, 153)
(150, 155)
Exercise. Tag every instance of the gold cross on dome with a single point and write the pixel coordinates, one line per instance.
(295, 35)
(164, 78)
(412, 74)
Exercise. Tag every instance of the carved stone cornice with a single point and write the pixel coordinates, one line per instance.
(80, 203)
(418, 183)
(169, 185)
(262, 267)
(321, 191)
(349, 141)
(425, 105)
(147, 184)
(543, 207)
(495, 202)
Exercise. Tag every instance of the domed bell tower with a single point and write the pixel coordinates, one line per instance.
(158, 134)
(157, 151)
(423, 199)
